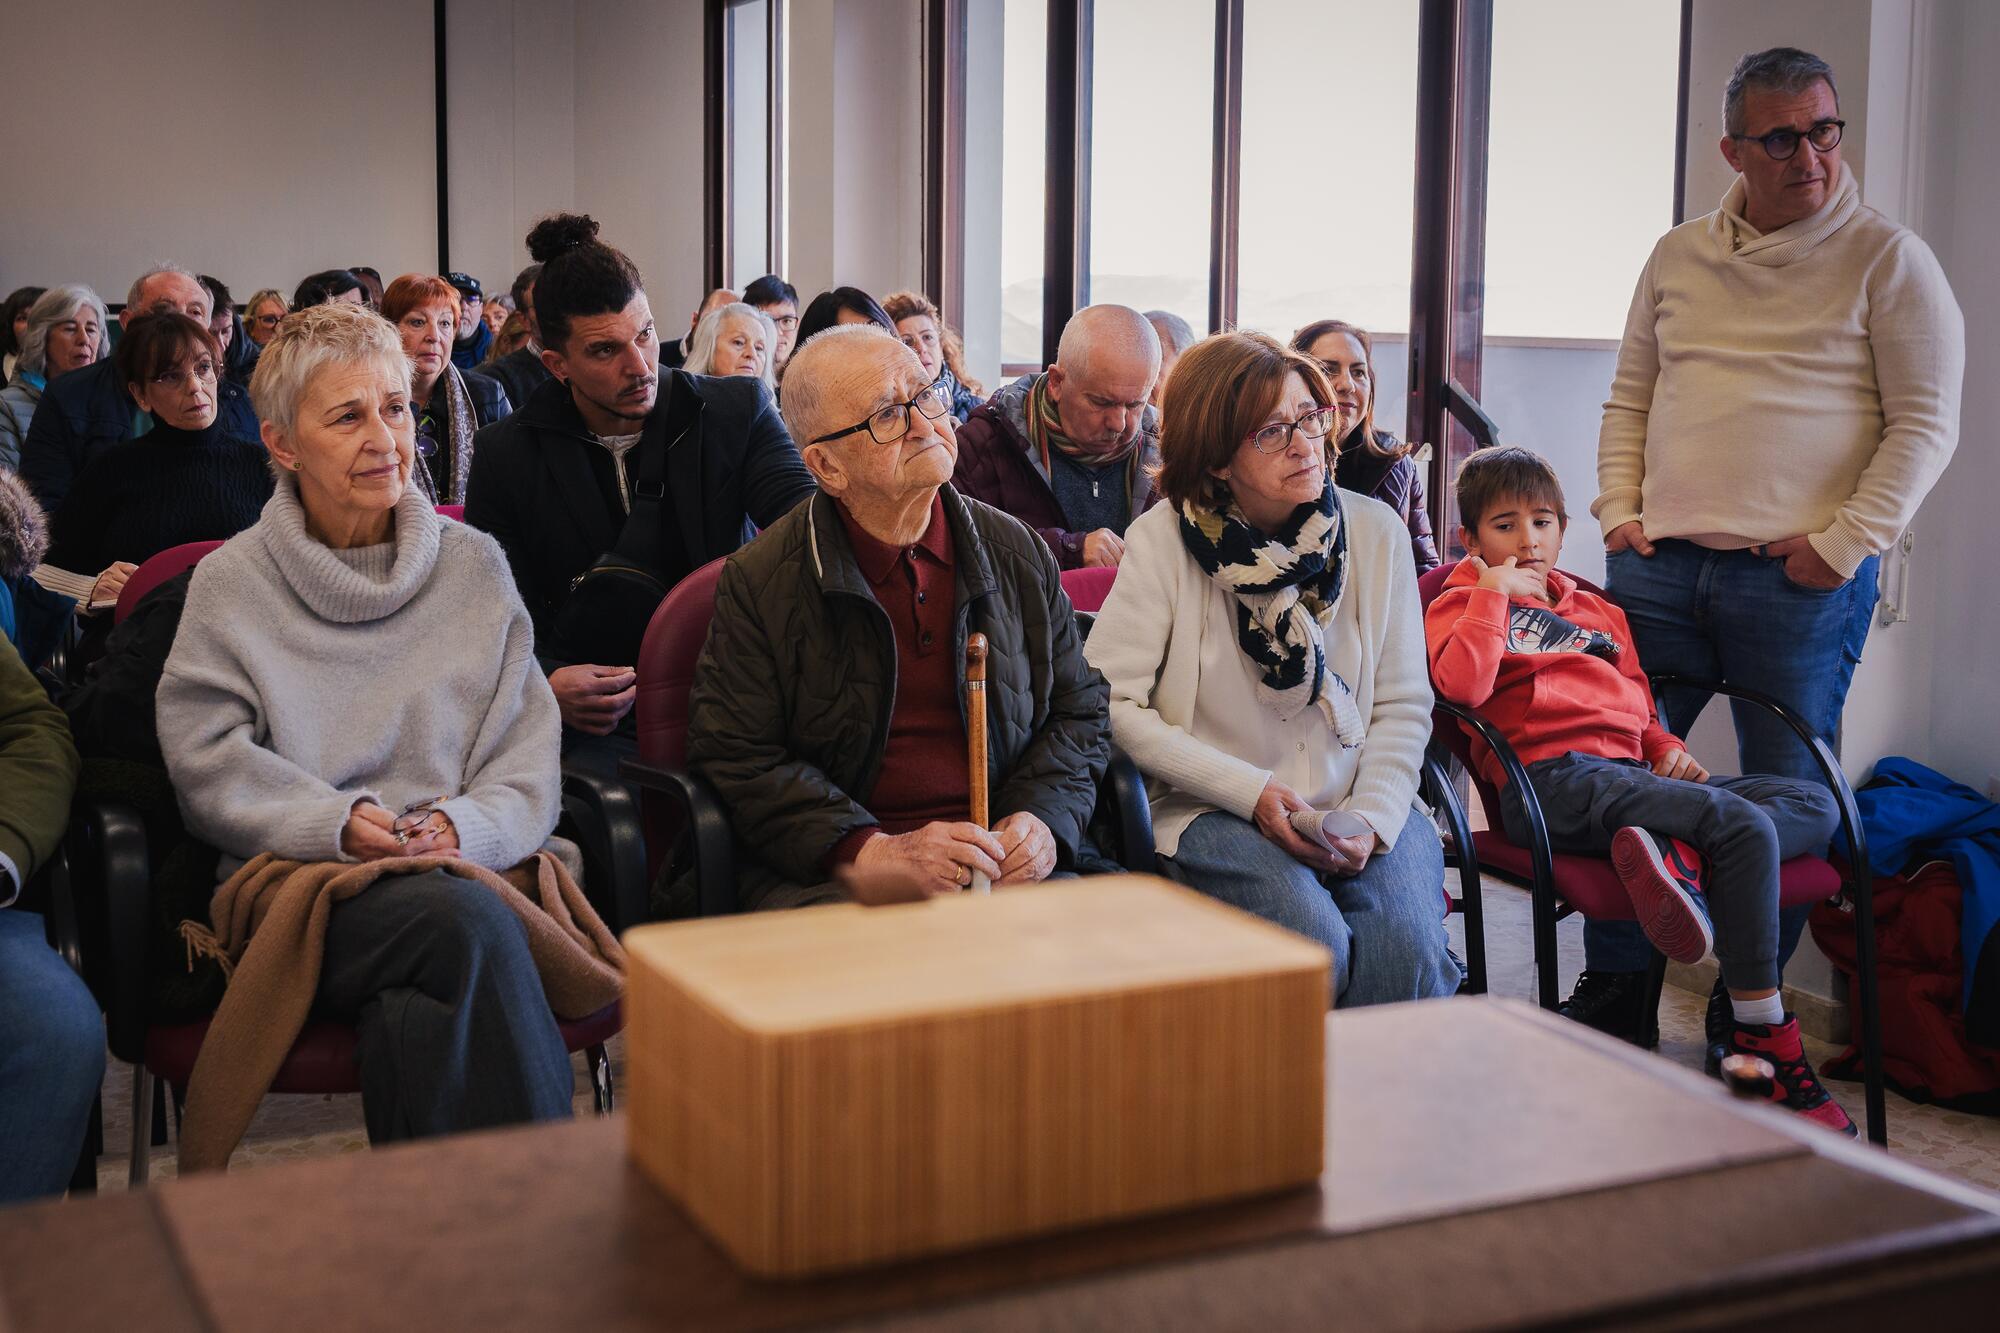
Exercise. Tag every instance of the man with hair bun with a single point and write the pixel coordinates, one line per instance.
(562, 483)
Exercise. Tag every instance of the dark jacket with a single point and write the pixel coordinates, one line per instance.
(520, 373)
(996, 464)
(87, 411)
(789, 716)
(548, 492)
(168, 487)
(467, 353)
(1396, 482)
(241, 358)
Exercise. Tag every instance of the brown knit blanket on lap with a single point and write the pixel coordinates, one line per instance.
(270, 930)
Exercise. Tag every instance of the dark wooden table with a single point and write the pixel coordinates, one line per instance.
(1487, 1165)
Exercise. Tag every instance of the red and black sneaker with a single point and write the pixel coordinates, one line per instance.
(1796, 1088)
(1663, 877)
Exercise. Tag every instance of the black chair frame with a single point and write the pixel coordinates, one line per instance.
(1549, 908)
(104, 863)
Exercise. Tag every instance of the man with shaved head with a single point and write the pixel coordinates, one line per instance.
(1071, 451)
(89, 410)
(828, 710)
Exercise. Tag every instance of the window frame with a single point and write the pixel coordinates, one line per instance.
(719, 98)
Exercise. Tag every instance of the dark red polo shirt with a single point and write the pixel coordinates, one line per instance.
(924, 775)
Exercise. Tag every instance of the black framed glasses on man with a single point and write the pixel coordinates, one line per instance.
(886, 425)
(1781, 144)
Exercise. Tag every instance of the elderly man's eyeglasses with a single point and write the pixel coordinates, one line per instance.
(1781, 144)
(890, 424)
(201, 372)
(1278, 435)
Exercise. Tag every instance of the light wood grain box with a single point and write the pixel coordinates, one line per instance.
(844, 1086)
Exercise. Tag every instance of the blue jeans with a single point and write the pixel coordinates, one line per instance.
(454, 1032)
(1734, 617)
(51, 1061)
(1385, 926)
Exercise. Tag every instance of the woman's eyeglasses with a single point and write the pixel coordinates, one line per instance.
(1278, 435)
(201, 372)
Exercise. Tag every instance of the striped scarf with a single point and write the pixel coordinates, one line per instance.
(1045, 430)
(1287, 586)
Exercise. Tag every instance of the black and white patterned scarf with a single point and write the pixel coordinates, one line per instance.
(1287, 586)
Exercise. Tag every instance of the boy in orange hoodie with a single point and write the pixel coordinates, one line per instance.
(1553, 667)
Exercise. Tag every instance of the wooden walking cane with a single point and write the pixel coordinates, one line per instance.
(975, 738)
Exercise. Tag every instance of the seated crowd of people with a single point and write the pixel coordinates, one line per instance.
(355, 677)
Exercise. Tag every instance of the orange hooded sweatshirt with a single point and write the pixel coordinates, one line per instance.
(1552, 678)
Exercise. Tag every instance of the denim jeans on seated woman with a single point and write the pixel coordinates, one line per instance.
(1385, 926)
(1734, 617)
(51, 1060)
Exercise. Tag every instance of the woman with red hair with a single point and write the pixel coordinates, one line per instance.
(451, 403)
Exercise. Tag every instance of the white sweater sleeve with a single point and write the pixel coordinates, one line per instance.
(1621, 437)
(1917, 336)
(1399, 717)
(1127, 645)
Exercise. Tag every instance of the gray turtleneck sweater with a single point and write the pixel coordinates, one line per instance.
(306, 679)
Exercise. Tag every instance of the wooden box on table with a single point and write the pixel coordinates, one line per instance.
(843, 1086)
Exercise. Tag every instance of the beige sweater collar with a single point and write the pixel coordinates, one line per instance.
(1738, 240)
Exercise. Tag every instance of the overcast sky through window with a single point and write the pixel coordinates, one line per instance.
(1580, 161)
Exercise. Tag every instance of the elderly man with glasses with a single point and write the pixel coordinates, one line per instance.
(1787, 392)
(829, 709)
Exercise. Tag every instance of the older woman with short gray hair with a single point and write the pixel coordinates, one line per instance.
(734, 339)
(354, 680)
(66, 331)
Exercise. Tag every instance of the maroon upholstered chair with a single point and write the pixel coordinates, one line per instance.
(1087, 588)
(1561, 884)
(150, 575)
(675, 800)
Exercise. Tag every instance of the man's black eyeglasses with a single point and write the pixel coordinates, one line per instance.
(890, 424)
(1781, 144)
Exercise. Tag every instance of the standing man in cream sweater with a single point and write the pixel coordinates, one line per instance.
(1787, 392)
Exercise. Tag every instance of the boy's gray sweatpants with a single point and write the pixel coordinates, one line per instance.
(1744, 826)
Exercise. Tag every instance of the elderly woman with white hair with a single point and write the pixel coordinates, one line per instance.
(354, 679)
(734, 339)
(66, 331)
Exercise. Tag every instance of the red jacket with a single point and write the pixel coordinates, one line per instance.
(1552, 678)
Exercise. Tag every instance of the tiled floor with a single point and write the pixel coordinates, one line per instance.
(1960, 1145)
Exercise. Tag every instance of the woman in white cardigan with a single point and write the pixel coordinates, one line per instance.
(1266, 656)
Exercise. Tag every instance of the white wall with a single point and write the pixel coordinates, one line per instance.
(1959, 180)
(855, 169)
(511, 92)
(638, 147)
(257, 142)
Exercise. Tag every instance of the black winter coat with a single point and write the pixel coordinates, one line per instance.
(520, 373)
(1396, 482)
(789, 716)
(548, 492)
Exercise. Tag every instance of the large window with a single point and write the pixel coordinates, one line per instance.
(1580, 175)
(1151, 154)
(753, 45)
(1329, 122)
(1022, 125)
